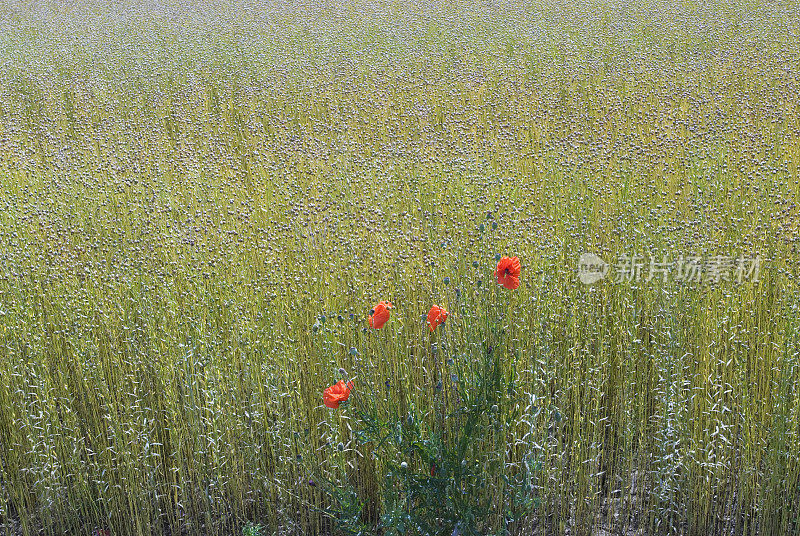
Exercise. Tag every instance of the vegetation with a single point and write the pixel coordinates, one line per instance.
(201, 204)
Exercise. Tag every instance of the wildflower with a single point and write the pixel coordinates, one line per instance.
(379, 315)
(508, 271)
(436, 316)
(404, 466)
(336, 394)
(446, 280)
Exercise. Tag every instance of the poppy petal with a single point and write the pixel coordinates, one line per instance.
(380, 315)
(336, 394)
(508, 272)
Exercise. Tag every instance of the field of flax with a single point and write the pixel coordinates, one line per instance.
(200, 204)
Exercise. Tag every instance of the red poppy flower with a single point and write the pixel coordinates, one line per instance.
(379, 315)
(436, 316)
(336, 394)
(507, 273)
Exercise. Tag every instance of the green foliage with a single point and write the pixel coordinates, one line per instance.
(253, 529)
(439, 477)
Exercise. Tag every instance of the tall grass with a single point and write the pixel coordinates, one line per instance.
(186, 191)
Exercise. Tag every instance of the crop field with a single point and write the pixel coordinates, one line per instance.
(202, 205)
